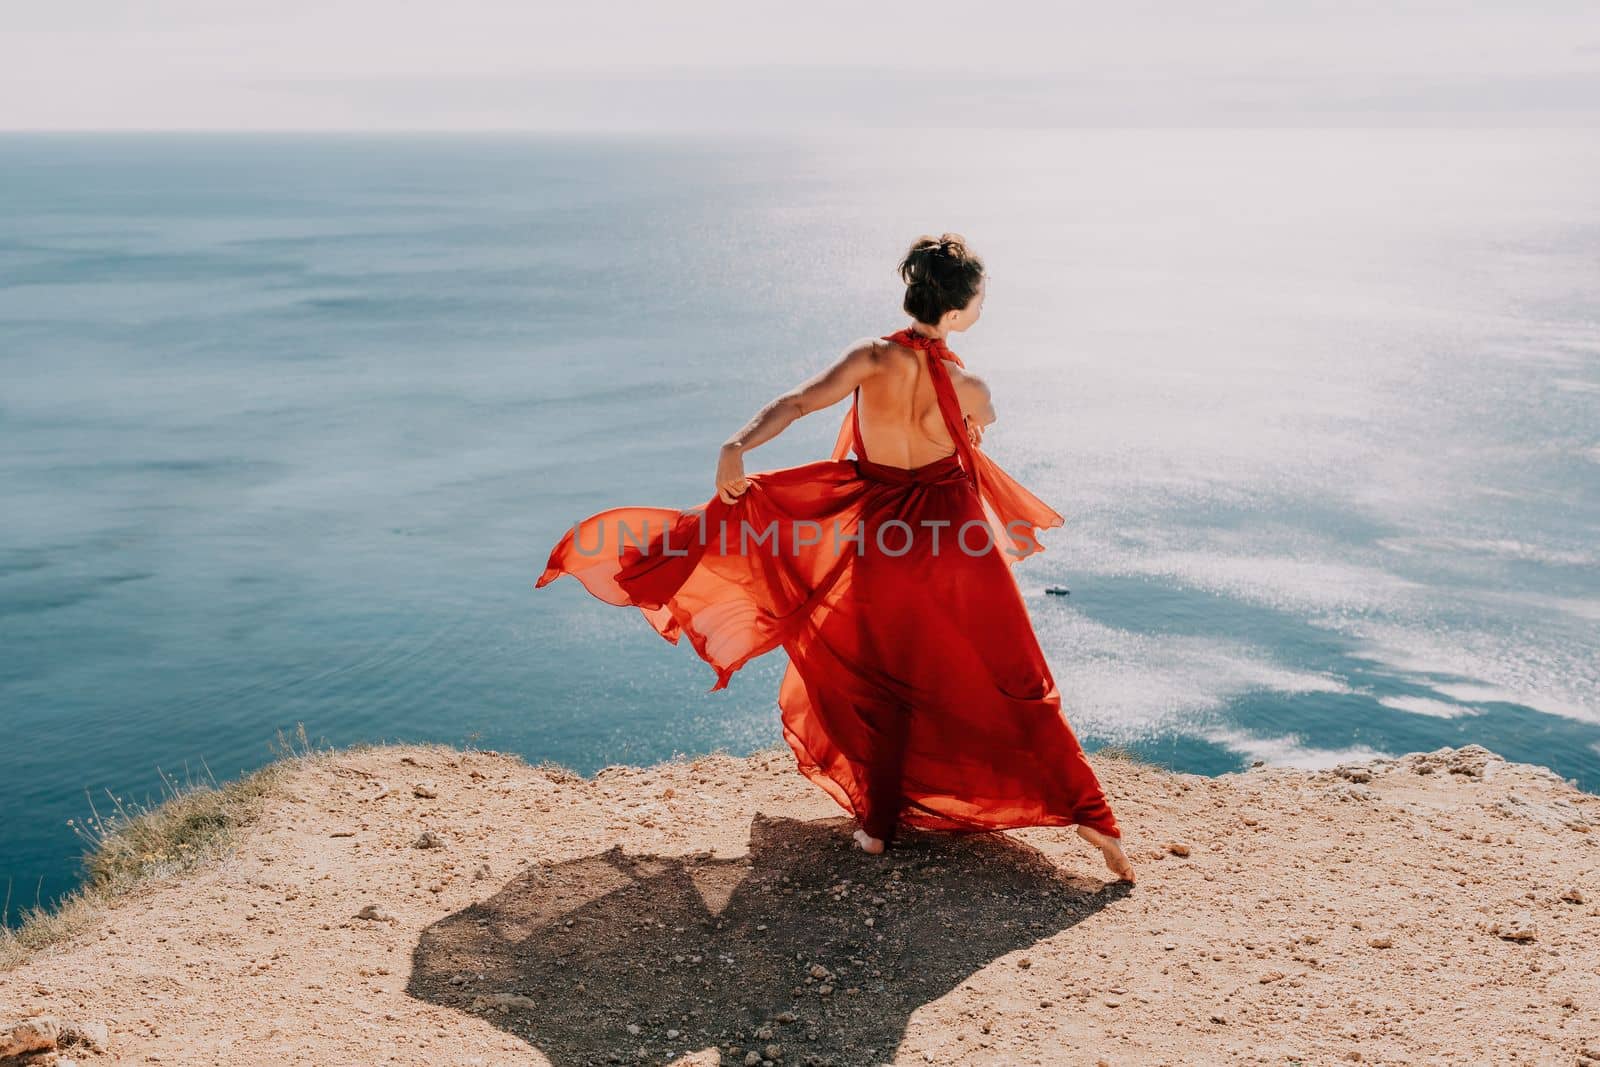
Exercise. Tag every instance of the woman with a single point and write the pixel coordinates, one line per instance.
(916, 692)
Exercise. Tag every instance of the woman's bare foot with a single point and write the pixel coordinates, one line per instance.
(1111, 849)
(868, 843)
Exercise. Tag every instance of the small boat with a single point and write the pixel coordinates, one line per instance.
(1057, 590)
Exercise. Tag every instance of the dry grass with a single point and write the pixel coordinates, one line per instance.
(1126, 755)
(193, 824)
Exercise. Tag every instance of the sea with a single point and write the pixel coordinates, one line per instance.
(290, 423)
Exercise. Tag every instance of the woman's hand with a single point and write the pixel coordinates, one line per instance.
(974, 430)
(731, 482)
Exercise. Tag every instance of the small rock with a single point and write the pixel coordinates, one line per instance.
(633, 1028)
(480, 872)
(752, 1059)
(818, 971)
(1271, 976)
(94, 1036)
(1177, 848)
(672, 1035)
(1470, 761)
(1572, 895)
(37, 1034)
(1025, 962)
(824, 990)
(375, 914)
(428, 839)
(773, 1052)
(786, 1016)
(1517, 928)
(427, 790)
(1381, 942)
(503, 1002)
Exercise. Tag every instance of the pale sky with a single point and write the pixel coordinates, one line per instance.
(482, 64)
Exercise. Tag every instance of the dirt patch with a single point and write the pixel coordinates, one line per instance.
(1439, 908)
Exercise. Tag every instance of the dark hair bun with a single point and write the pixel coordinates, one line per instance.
(941, 274)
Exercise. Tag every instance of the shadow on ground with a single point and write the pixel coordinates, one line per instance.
(772, 948)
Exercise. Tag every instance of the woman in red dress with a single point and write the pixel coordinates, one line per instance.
(916, 692)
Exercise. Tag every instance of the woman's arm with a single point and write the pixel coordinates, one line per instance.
(821, 390)
(977, 405)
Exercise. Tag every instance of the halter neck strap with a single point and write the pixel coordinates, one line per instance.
(934, 345)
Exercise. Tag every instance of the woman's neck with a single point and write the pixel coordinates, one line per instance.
(918, 326)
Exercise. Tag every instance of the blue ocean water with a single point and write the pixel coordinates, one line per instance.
(289, 424)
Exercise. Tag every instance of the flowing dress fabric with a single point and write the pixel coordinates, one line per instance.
(916, 692)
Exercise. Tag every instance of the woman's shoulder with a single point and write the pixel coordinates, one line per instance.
(973, 392)
(961, 376)
(879, 355)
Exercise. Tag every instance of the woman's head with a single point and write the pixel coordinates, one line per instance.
(944, 282)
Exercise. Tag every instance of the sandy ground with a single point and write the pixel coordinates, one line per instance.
(1443, 908)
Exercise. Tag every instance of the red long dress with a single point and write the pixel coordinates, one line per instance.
(916, 691)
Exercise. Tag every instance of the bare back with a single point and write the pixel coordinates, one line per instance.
(901, 424)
